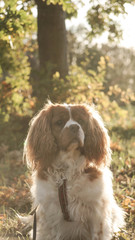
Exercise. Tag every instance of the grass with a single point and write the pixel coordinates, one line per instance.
(123, 167)
(15, 184)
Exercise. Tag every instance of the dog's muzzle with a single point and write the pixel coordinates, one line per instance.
(72, 135)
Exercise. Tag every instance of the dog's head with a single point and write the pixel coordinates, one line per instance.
(62, 127)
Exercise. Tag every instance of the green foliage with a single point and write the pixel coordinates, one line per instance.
(121, 70)
(119, 63)
(45, 86)
(103, 17)
(85, 82)
(68, 6)
(16, 19)
(15, 90)
(88, 86)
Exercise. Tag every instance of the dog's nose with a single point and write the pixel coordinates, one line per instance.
(74, 128)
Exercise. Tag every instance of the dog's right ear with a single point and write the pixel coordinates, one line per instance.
(40, 147)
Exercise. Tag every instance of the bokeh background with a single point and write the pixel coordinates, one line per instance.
(65, 51)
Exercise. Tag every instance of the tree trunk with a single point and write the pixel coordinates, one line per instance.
(52, 37)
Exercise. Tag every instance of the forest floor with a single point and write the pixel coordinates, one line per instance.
(15, 189)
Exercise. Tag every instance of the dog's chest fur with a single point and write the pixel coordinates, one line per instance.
(85, 190)
(89, 193)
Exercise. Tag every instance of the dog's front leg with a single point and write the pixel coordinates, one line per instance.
(97, 231)
(101, 231)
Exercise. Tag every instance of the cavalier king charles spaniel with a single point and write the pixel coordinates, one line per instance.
(68, 149)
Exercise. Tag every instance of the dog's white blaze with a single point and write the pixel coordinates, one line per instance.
(71, 122)
(67, 106)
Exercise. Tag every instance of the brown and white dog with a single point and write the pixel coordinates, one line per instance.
(68, 148)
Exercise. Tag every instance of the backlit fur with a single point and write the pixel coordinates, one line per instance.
(70, 141)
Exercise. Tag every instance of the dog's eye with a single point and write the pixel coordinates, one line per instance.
(81, 121)
(59, 122)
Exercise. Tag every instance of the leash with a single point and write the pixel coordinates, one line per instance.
(33, 212)
(62, 193)
(34, 226)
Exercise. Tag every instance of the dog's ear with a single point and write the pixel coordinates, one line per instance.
(97, 141)
(40, 147)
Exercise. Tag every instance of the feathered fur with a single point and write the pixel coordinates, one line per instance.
(70, 141)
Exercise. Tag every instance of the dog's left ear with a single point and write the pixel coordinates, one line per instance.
(97, 141)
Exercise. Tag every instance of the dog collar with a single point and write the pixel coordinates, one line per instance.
(62, 192)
